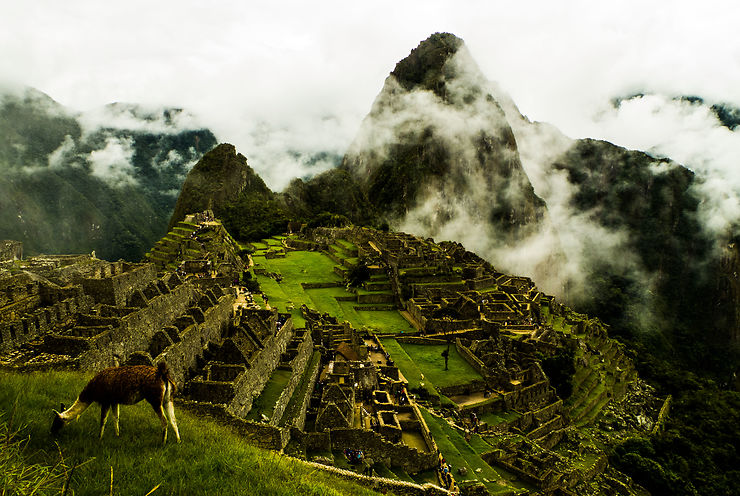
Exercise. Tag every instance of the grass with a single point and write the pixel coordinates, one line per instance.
(303, 266)
(459, 453)
(212, 459)
(557, 322)
(429, 360)
(496, 418)
(17, 476)
(265, 402)
(346, 245)
(300, 391)
(408, 367)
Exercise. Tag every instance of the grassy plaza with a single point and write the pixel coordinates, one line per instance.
(315, 267)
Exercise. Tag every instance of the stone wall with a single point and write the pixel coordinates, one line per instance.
(442, 325)
(11, 250)
(420, 340)
(298, 365)
(480, 282)
(261, 368)
(474, 386)
(138, 328)
(299, 420)
(122, 332)
(529, 394)
(263, 435)
(117, 289)
(383, 485)
(375, 298)
(372, 443)
(549, 411)
(473, 360)
(187, 347)
(41, 320)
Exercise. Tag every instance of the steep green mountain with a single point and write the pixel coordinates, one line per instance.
(104, 180)
(673, 288)
(223, 182)
(333, 192)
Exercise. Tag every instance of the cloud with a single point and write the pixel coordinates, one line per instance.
(691, 134)
(287, 65)
(63, 156)
(138, 118)
(113, 164)
(287, 81)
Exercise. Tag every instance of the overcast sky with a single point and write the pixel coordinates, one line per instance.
(280, 75)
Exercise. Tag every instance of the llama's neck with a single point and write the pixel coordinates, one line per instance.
(74, 411)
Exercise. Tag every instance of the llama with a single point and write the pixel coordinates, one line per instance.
(124, 385)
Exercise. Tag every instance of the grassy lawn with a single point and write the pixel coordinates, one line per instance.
(408, 367)
(496, 418)
(303, 266)
(211, 459)
(429, 360)
(346, 244)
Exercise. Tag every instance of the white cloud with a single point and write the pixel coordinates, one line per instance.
(136, 117)
(290, 64)
(61, 156)
(113, 163)
(692, 135)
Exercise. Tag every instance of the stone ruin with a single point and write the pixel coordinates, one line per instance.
(502, 325)
(327, 386)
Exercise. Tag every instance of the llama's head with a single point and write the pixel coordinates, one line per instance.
(58, 421)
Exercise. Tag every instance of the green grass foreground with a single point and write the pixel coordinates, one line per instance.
(210, 460)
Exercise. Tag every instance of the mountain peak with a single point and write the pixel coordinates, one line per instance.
(424, 65)
(216, 180)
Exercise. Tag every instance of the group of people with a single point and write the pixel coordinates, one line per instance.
(356, 457)
(445, 473)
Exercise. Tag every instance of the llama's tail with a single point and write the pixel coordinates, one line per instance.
(163, 374)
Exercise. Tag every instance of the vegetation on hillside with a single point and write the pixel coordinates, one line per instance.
(109, 190)
(696, 453)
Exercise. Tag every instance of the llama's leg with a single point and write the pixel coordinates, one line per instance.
(160, 413)
(116, 413)
(173, 420)
(104, 410)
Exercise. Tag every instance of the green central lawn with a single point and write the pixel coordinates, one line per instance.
(211, 459)
(314, 267)
(429, 360)
(408, 367)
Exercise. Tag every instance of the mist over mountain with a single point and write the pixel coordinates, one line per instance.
(104, 180)
(632, 237)
(436, 150)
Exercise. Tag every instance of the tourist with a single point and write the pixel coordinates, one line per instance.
(368, 463)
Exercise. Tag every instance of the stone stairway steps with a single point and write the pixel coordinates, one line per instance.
(588, 416)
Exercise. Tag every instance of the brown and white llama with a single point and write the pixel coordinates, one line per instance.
(124, 385)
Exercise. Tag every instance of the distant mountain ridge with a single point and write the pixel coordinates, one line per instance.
(103, 181)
